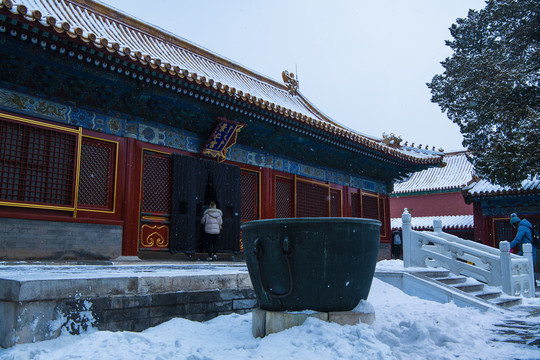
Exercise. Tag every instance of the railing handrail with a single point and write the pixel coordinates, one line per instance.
(470, 243)
(476, 251)
(496, 267)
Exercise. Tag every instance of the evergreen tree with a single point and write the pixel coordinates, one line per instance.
(491, 88)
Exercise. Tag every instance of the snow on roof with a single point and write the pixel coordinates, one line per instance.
(457, 173)
(485, 188)
(419, 152)
(426, 222)
(133, 40)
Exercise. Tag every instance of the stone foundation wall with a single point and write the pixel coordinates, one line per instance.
(136, 313)
(22, 239)
(43, 320)
(37, 310)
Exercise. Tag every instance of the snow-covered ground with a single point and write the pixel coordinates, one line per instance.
(406, 327)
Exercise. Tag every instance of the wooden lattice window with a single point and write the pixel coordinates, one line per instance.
(284, 198)
(37, 164)
(249, 192)
(502, 231)
(335, 203)
(370, 206)
(156, 184)
(97, 174)
(311, 200)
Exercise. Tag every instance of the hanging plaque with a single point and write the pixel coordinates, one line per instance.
(222, 139)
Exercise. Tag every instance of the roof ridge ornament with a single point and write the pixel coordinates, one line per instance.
(392, 140)
(290, 81)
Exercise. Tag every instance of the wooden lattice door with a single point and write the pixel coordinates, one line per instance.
(155, 202)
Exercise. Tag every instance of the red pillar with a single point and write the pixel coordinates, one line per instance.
(130, 241)
(480, 225)
(267, 194)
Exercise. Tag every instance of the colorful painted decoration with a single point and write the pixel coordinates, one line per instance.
(223, 138)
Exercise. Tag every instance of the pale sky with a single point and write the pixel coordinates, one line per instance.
(364, 63)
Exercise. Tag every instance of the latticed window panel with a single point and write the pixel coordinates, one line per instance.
(355, 205)
(335, 203)
(249, 192)
(311, 200)
(37, 164)
(503, 231)
(370, 207)
(156, 183)
(284, 198)
(96, 179)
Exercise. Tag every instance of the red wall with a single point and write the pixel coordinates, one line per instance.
(430, 205)
(482, 233)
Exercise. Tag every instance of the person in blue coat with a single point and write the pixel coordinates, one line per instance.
(523, 236)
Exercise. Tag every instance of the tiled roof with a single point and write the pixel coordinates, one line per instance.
(457, 173)
(485, 188)
(426, 222)
(122, 36)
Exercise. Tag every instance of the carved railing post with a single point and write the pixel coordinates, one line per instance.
(407, 241)
(527, 254)
(437, 226)
(506, 268)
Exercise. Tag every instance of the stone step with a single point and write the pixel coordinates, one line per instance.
(451, 280)
(469, 288)
(493, 295)
(435, 274)
(488, 295)
(507, 302)
(532, 310)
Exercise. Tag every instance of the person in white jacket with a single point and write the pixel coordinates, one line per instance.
(212, 221)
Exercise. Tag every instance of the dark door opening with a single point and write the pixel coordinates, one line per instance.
(196, 182)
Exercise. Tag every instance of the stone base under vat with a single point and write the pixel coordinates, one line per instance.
(266, 322)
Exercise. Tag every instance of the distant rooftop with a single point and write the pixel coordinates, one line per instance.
(485, 188)
(426, 222)
(457, 173)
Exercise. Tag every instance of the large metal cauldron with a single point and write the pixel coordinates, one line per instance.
(320, 264)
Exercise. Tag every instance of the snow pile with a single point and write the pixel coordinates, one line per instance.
(406, 327)
(390, 265)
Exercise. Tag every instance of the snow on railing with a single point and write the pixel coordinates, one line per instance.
(495, 267)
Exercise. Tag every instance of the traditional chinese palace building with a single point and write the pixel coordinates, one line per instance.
(115, 135)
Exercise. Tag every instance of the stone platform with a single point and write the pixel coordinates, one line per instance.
(266, 322)
(38, 301)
